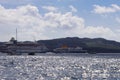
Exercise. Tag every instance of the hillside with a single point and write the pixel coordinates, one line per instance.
(98, 45)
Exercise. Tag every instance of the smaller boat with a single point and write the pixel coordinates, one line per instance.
(92, 53)
(66, 49)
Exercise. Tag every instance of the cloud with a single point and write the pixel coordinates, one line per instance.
(103, 9)
(15, 1)
(101, 31)
(50, 8)
(118, 19)
(26, 18)
(30, 22)
(73, 9)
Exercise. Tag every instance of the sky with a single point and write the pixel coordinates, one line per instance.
(49, 19)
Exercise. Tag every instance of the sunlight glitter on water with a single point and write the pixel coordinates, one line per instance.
(59, 68)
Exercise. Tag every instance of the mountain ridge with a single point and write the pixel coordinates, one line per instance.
(99, 45)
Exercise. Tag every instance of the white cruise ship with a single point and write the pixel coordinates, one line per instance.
(13, 47)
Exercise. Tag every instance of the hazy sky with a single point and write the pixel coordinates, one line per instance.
(48, 19)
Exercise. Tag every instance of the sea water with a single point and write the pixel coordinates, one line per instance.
(61, 67)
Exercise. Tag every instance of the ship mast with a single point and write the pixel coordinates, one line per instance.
(16, 34)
